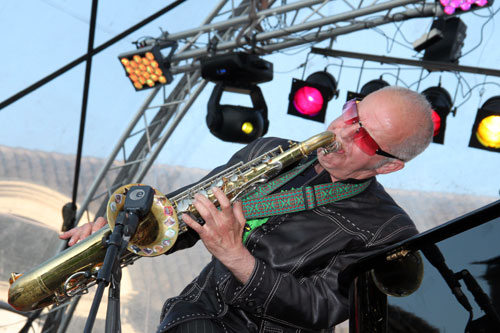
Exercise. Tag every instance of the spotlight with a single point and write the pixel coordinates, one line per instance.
(146, 67)
(308, 99)
(451, 7)
(486, 129)
(441, 103)
(367, 89)
(237, 72)
(449, 34)
(234, 123)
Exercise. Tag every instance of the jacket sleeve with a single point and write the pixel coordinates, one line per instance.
(307, 302)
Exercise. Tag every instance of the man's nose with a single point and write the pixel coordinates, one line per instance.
(346, 132)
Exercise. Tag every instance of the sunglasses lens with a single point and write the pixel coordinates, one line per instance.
(365, 142)
(350, 112)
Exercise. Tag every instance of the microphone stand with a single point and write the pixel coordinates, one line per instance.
(491, 321)
(113, 311)
(436, 258)
(137, 205)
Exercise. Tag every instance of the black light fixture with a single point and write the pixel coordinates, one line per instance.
(445, 40)
(308, 99)
(238, 73)
(235, 123)
(146, 67)
(441, 104)
(367, 89)
(486, 129)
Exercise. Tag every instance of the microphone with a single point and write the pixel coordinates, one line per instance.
(436, 258)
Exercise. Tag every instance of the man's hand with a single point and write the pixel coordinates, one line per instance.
(80, 233)
(222, 233)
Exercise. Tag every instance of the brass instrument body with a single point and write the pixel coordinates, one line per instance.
(42, 286)
(73, 270)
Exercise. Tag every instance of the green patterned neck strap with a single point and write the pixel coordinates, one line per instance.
(259, 204)
(277, 182)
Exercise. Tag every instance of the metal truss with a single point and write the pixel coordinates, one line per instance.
(262, 27)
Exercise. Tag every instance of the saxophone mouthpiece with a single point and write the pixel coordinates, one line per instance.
(334, 146)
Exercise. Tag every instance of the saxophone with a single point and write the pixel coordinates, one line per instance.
(74, 270)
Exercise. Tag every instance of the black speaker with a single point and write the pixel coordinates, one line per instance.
(236, 67)
(449, 48)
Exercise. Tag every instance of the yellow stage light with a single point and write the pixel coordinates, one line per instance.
(486, 130)
(247, 127)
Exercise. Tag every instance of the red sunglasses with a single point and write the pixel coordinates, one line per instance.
(362, 138)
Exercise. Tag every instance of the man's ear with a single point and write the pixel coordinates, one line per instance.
(391, 166)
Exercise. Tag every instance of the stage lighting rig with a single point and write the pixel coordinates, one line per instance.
(238, 73)
(441, 104)
(308, 99)
(146, 67)
(486, 129)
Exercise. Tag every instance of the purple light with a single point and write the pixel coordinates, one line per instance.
(464, 5)
(449, 10)
(308, 101)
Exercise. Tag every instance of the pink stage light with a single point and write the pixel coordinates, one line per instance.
(308, 101)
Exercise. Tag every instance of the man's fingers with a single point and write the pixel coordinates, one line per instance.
(73, 240)
(98, 224)
(205, 207)
(238, 212)
(221, 197)
(80, 233)
(67, 234)
(192, 223)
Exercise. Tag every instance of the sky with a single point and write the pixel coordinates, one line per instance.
(41, 36)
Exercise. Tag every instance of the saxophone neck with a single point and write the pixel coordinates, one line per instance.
(323, 140)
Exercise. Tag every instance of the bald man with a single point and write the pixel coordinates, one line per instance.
(279, 273)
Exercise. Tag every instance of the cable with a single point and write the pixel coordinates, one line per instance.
(381, 32)
(469, 93)
(481, 36)
(81, 59)
(397, 78)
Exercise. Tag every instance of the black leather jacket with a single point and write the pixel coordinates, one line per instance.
(293, 287)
